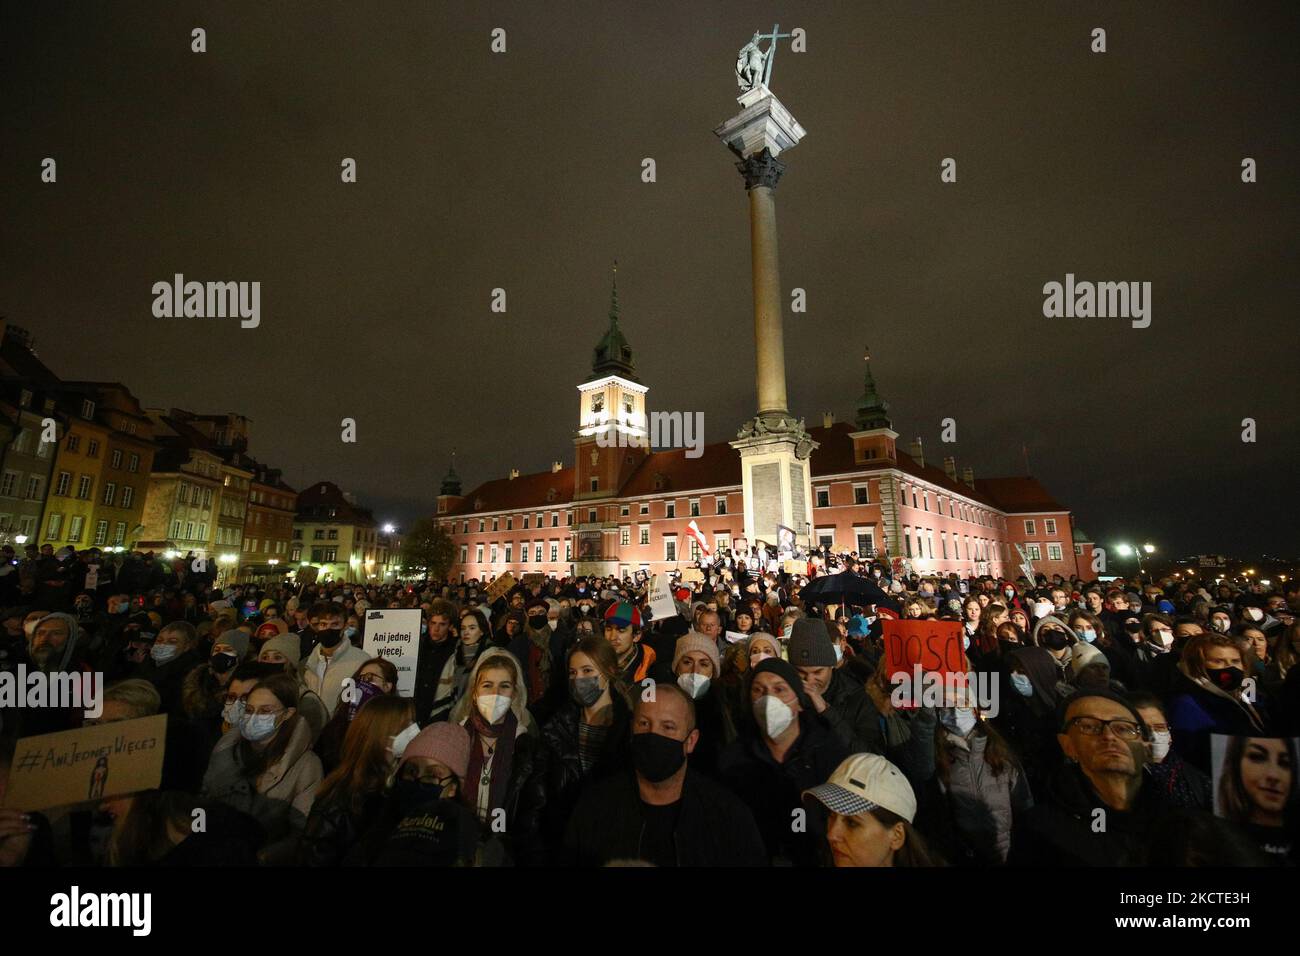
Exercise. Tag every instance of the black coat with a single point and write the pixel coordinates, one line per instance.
(774, 791)
(1063, 830)
(559, 777)
(714, 828)
(333, 828)
(428, 670)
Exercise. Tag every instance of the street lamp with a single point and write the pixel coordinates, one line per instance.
(20, 538)
(389, 529)
(1136, 550)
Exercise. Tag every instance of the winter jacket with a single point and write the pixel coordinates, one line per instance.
(280, 799)
(774, 791)
(713, 827)
(325, 675)
(1197, 712)
(333, 827)
(1063, 830)
(428, 670)
(852, 715)
(553, 696)
(169, 678)
(559, 777)
(974, 810)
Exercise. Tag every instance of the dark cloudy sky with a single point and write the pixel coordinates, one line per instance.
(522, 171)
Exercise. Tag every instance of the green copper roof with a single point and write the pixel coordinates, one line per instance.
(612, 355)
(873, 411)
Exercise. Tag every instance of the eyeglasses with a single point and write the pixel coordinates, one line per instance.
(1124, 728)
(232, 698)
(268, 710)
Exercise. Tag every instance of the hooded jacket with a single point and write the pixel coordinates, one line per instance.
(279, 799)
(69, 659)
(325, 675)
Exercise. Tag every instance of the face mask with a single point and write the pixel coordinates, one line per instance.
(585, 690)
(1054, 639)
(585, 608)
(960, 720)
(400, 741)
(1160, 741)
(410, 794)
(1221, 625)
(220, 663)
(657, 757)
(553, 624)
(349, 632)
(162, 653)
(1227, 678)
(1165, 637)
(1022, 685)
(329, 638)
(364, 691)
(492, 706)
(758, 657)
(537, 621)
(233, 713)
(1009, 593)
(1255, 614)
(122, 608)
(695, 685)
(257, 727)
(839, 653)
(773, 715)
(1088, 635)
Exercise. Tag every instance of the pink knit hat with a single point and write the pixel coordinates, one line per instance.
(444, 742)
(695, 641)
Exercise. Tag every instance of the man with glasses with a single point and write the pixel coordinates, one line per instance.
(1097, 811)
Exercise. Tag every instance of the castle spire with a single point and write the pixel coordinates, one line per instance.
(612, 355)
(873, 411)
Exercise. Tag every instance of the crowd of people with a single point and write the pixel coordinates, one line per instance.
(561, 722)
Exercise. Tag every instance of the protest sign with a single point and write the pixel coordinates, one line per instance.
(690, 575)
(499, 587)
(661, 598)
(1252, 778)
(920, 646)
(534, 577)
(735, 637)
(394, 634)
(73, 766)
(793, 566)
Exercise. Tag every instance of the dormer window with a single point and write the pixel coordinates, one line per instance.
(597, 403)
(87, 409)
(627, 404)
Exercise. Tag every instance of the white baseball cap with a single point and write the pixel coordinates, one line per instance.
(866, 781)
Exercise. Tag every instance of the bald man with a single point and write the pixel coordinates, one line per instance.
(662, 812)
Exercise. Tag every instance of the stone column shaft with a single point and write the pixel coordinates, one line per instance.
(769, 335)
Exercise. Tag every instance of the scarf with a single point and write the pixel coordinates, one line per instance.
(502, 758)
(539, 663)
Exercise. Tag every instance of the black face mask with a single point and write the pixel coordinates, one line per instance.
(329, 638)
(220, 663)
(411, 794)
(537, 621)
(1054, 639)
(657, 757)
(1227, 678)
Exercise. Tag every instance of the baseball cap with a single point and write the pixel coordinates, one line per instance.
(622, 614)
(863, 782)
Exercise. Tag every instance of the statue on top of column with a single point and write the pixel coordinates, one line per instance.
(749, 65)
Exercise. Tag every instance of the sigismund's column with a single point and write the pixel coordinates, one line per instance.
(774, 447)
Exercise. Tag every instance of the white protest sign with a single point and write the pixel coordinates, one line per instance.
(394, 634)
(662, 605)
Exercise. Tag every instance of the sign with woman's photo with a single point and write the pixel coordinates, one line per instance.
(1255, 782)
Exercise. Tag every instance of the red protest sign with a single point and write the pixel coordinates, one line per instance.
(930, 645)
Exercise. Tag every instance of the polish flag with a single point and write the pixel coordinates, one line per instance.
(694, 531)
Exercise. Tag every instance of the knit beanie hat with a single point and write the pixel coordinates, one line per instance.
(810, 644)
(236, 639)
(1084, 654)
(695, 641)
(766, 638)
(444, 742)
(285, 644)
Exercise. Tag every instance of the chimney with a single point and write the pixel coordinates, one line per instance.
(828, 419)
(915, 452)
(968, 476)
(556, 466)
(514, 473)
(950, 466)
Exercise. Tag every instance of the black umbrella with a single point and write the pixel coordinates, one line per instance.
(846, 588)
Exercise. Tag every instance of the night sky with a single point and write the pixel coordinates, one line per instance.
(522, 170)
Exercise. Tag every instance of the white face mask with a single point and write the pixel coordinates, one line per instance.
(1220, 625)
(960, 720)
(492, 706)
(400, 741)
(1255, 614)
(1165, 636)
(773, 715)
(553, 623)
(1160, 741)
(758, 657)
(694, 684)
